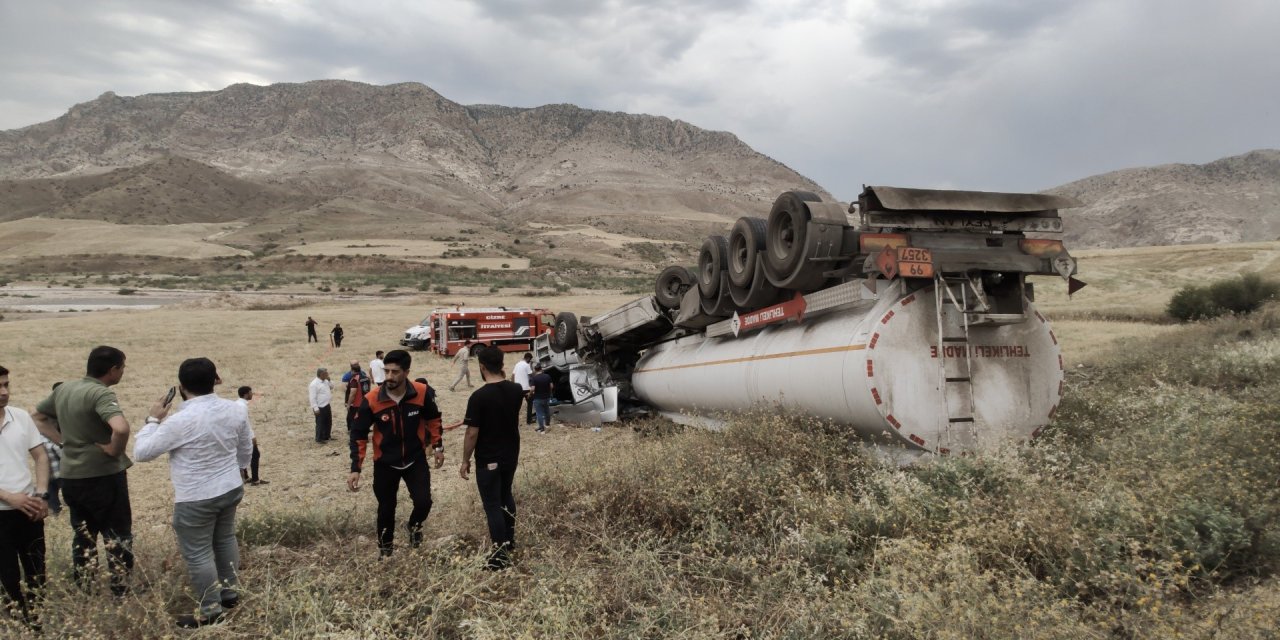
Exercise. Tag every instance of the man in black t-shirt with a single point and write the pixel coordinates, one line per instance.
(493, 434)
(541, 388)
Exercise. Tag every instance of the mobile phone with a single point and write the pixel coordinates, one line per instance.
(168, 398)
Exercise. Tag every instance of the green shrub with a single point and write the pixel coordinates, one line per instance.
(1244, 294)
(1193, 303)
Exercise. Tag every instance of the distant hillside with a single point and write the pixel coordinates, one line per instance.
(334, 160)
(167, 190)
(1234, 199)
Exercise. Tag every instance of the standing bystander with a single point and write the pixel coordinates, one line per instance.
(493, 435)
(402, 422)
(320, 392)
(357, 386)
(23, 505)
(85, 418)
(376, 370)
(311, 330)
(520, 374)
(541, 396)
(208, 442)
(245, 396)
(462, 360)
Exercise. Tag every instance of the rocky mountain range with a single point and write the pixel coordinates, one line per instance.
(330, 159)
(1234, 199)
(335, 160)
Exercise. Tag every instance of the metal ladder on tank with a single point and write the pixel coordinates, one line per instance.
(956, 373)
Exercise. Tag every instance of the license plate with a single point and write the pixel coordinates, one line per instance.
(914, 262)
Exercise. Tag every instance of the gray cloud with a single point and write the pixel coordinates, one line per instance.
(987, 94)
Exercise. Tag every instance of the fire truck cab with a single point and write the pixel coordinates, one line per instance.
(446, 330)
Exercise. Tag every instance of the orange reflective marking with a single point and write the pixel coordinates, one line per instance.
(771, 356)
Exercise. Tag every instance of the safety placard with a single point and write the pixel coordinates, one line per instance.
(914, 262)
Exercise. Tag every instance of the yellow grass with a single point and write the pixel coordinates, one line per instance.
(1141, 280)
(43, 237)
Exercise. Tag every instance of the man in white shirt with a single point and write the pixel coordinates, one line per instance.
(208, 441)
(321, 394)
(246, 394)
(520, 374)
(377, 370)
(23, 503)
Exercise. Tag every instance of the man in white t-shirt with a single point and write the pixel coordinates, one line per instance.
(520, 374)
(377, 370)
(23, 503)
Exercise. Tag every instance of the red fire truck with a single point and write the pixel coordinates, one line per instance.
(446, 329)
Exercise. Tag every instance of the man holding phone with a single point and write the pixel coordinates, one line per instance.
(85, 417)
(208, 443)
(402, 422)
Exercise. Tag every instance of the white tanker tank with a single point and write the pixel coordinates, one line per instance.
(876, 363)
(906, 317)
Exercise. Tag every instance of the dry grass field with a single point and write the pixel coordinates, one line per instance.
(29, 237)
(774, 528)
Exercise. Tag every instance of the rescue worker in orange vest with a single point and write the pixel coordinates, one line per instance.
(402, 422)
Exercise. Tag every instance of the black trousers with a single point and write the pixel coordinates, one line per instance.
(386, 488)
(324, 423)
(499, 505)
(528, 408)
(100, 506)
(311, 335)
(21, 559)
(253, 463)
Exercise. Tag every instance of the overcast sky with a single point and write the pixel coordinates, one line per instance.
(974, 94)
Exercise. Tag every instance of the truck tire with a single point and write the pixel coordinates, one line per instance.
(712, 261)
(671, 285)
(746, 245)
(787, 228)
(565, 336)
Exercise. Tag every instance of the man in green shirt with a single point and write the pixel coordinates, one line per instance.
(85, 418)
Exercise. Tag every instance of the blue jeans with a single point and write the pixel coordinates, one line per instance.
(542, 408)
(207, 539)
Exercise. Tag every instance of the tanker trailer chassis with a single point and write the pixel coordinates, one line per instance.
(906, 316)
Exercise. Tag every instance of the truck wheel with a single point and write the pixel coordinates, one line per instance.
(788, 226)
(712, 261)
(746, 243)
(565, 336)
(671, 285)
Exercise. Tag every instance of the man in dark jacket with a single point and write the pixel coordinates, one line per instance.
(402, 422)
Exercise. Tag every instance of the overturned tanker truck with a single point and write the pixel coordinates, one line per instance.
(907, 317)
